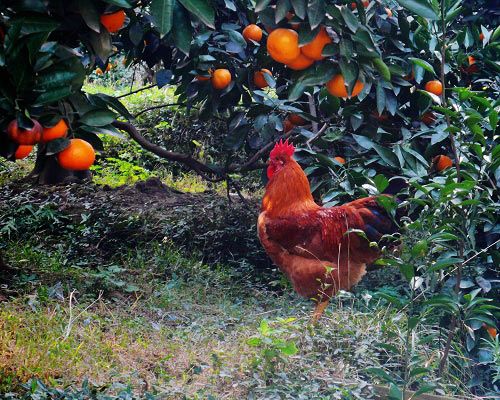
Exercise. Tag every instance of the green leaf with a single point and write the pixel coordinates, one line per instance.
(254, 342)
(315, 12)
(53, 95)
(90, 15)
(408, 271)
(282, 7)
(306, 34)
(387, 155)
(380, 98)
(101, 43)
(35, 24)
(162, 12)
(289, 349)
(381, 182)
(424, 64)
(182, 31)
(363, 141)
(382, 68)
(202, 9)
(444, 263)
(379, 372)
(55, 79)
(317, 76)
(419, 7)
(299, 6)
(420, 249)
(98, 118)
(395, 392)
(114, 103)
(493, 117)
(261, 5)
(109, 130)
(349, 18)
(57, 145)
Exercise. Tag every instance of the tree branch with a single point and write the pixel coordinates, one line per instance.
(158, 106)
(197, 166)
(136, 91)
(250, 164)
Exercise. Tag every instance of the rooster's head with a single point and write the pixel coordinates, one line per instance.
(280, 155)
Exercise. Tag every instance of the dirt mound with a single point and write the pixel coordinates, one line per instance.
(107, 221)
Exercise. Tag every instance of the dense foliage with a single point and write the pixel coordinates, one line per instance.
(394, 127)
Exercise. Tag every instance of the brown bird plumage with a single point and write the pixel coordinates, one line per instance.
(310, 243)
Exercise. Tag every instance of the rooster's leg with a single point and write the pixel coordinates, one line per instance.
(318, 311)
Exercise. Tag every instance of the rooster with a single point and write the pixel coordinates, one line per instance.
(320, 250)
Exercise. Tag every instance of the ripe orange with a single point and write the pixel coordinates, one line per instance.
(283, 45)
(113, 22)
(388, 11)
(300, 63)
(57, 131)
(252, 32)
(287, 125)
(434, 87)
(428, 118)
(297, 120)
(492, 331)
(336, 87)
(314, 48)
(98, 71)
(78, 156)
(221, 78)
(471, 60)
(108, 67)
(23, 151)
(340, 159)
(481, 36)
(443, 162)
(24, 136)
(259, 79)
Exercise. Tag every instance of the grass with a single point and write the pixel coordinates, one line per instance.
(184, 330)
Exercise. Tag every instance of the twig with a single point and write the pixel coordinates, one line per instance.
(70, 323)
(158, 106)
(312, 111)
(136, 91)
(443, 93)
(248, 165)
(454, 319)
(317, 135)
(71, 319)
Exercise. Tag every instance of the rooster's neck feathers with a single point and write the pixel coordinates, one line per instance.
(288, 192)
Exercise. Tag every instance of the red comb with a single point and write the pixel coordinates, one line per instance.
(282, 148)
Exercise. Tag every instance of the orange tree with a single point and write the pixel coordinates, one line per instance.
(375, 93)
